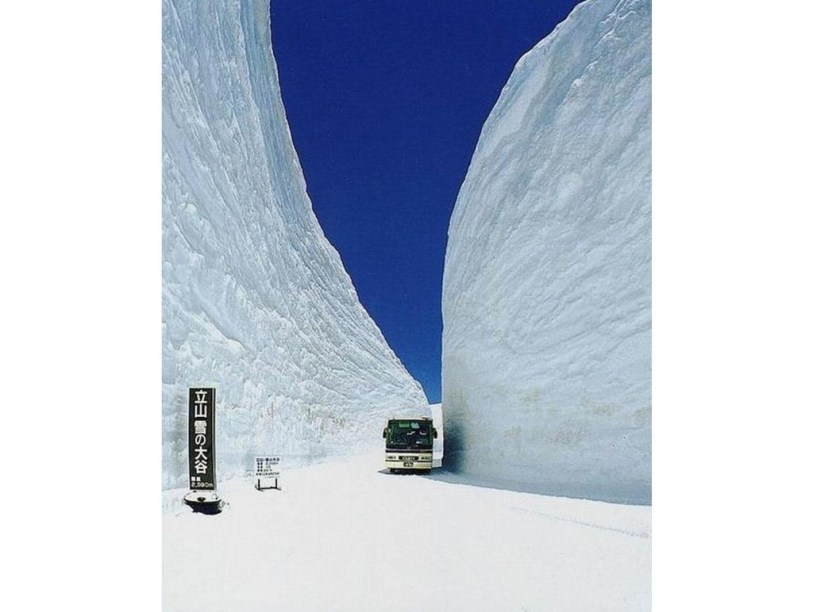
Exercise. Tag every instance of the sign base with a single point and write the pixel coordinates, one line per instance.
(259, 486)
(205, 502)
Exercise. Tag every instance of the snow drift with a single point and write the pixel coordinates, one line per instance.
(546, 291)
(255, 300)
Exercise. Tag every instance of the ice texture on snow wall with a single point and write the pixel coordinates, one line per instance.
(255, 300)
(547, 286)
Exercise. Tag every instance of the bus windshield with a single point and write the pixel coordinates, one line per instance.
(409, 434)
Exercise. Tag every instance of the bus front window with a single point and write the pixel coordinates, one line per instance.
(409, 434)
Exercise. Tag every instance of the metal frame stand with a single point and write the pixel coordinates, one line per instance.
(261, 488)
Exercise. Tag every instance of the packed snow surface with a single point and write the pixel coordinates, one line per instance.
(255, 300)
(547, 290)
(346, 536)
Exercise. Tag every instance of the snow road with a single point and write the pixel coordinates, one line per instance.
(347, 536)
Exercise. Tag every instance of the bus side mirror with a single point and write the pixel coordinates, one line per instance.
(434, 433)
(384, 435)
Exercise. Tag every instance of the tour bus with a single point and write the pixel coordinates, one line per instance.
(409, 444)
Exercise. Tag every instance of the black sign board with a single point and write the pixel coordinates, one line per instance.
(202, 439)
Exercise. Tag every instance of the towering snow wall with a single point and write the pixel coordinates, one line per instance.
(255, 300)
(546, 291)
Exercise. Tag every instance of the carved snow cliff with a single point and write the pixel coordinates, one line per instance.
(547, 288)
(255, 300)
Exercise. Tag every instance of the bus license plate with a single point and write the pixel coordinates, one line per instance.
(407, 464)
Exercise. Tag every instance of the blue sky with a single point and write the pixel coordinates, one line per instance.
(386, 100)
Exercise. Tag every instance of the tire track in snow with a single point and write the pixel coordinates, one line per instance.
(633, 534)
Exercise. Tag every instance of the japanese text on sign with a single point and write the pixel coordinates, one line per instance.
(201, 438)
(267, 466)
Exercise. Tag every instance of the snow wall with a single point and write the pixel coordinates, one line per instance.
(547, 285)
(256, 302)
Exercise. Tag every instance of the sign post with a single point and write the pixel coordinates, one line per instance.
(202, 482)
(267, 467)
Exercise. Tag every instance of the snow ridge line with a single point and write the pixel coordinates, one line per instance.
(633, 534)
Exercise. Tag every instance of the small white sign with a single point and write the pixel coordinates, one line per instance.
(267, 467)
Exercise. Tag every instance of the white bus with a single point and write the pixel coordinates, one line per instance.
(409, 444)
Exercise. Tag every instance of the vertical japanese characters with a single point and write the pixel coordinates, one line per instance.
(202, 438)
